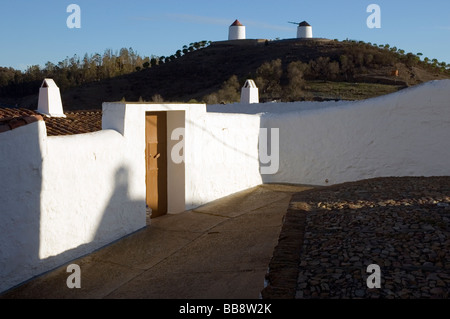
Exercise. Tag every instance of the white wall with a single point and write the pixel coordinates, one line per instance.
(221, 150)
(222, 156)
(87, 195)
(406, 133)
(401, 134)
(21, 178)
(63, 197)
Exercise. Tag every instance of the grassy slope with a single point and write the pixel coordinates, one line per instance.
(203, 71)
(348, 91)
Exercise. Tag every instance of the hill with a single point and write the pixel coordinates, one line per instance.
(330, 69)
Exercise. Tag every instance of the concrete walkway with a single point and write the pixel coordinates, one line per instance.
(218, 251)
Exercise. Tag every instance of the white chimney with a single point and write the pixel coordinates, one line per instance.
(50, 103)
(249, 93)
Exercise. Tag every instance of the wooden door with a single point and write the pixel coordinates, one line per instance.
(156, 162)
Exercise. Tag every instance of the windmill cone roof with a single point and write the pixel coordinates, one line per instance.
(304, 24)
(237, 23)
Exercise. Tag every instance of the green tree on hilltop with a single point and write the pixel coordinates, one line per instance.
(268, 77)
(295, 73)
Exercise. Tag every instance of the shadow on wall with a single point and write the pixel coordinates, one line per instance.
(121, 212)
(20, 226)
(117, 221)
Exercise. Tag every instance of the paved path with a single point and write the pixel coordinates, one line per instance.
(219, 251)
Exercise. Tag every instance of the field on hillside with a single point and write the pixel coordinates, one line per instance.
(348, 91)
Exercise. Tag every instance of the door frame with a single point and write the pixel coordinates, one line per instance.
(176, 172)
(156, 162)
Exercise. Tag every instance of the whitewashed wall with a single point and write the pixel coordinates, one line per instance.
(20, 202)
(63, 197)
(87, 194)
(401, 134)
(221, 156)
(220, 150)
(406, 133)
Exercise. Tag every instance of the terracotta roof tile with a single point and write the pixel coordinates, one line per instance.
(11, 123)
(76, 122)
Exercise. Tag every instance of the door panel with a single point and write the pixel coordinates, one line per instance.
(156, 162)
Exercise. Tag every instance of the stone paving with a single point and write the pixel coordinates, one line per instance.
(331, 235)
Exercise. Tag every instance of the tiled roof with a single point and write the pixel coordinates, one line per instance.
(76, 122)
(12, 123)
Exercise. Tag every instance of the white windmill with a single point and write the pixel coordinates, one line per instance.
(304, 30)
(236, 31)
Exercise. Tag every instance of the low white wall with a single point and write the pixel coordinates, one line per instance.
(402, 134)
(87, 194)
(20, 198)
(63, 197)
(406, 133)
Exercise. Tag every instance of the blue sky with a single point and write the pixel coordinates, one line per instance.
(34, 32)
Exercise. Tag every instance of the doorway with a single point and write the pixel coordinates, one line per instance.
(156, 162)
